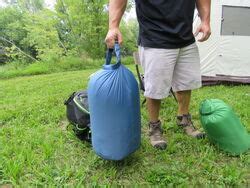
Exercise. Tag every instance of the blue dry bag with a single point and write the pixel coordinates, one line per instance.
(114, 105)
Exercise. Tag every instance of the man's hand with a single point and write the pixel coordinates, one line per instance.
(116, 10)
(112, 36)
(205, 29)
(204, 7)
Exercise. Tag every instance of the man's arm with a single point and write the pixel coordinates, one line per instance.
(204, 7)
(116, 11)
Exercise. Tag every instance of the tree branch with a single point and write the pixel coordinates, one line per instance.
(27, 55)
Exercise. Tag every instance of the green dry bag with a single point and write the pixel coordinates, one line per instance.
(223, 127)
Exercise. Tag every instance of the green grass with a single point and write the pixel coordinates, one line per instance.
(16, 69)
(37, 147)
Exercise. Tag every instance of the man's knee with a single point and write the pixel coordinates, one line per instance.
(183, 94)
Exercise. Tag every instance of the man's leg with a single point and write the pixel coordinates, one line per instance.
(158, 66)
(184, 118)
(153, 106)
(183, 98)
(187, 77)
(155, 129)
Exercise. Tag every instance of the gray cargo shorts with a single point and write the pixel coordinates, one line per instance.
(166, 68)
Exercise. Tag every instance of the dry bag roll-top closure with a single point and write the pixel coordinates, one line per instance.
(115, 109)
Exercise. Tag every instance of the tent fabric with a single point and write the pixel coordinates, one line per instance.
(225, 55)
(225, 80)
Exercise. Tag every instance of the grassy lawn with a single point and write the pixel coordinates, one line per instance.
(16, 69)
(37, 147)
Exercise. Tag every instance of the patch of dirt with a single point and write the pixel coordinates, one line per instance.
(63, 124)
(6, 186)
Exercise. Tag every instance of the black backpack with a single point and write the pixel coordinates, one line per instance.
(77, 111)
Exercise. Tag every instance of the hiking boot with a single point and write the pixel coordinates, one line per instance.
(185, 122)
(155, 135)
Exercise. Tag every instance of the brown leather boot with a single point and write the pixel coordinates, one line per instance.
(185, 122)
(155, 135)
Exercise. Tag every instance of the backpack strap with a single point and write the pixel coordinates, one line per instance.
(70, 98)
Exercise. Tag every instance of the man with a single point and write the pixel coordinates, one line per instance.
(168, 53)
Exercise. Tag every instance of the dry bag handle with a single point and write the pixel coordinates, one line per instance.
(109, 55)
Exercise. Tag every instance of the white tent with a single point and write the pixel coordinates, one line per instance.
(227, 52)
